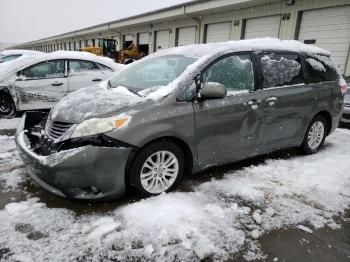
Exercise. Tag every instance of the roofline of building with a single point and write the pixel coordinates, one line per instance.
(118, 20)
(154, 12)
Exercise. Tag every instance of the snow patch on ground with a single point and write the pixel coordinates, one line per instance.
(11, 166)
(218, 219)
(9, 124)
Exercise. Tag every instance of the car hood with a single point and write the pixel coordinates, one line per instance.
(93, 102)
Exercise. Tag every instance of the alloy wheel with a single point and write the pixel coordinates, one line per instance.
(159, 172)
(315, 135)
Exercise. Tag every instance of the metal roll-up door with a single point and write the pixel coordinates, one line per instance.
(186, 36)
(328, 28)
(162, 39)
(219, 32)
(143, 38)
(129, 38)
(268, 26)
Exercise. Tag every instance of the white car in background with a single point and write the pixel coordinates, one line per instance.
(39, 82)
(10, 55)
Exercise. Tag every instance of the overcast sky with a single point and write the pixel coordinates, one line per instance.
(27, 20)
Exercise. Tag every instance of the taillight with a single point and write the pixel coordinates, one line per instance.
(344, 88)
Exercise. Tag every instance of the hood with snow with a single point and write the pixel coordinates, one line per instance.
(93, 102)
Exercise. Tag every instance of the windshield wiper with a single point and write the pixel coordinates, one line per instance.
(132, 91)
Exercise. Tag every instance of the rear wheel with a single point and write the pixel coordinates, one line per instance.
(315, 135)
(7, 106)
(157, 168)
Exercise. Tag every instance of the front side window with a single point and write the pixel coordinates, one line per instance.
(81, 66)
(321, 68)
(281, 70)
(156, 72)
(48, 69)
(235, 72)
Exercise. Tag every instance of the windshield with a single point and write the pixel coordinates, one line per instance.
(9, 57)
(159, 71)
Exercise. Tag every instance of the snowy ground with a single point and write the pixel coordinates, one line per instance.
(217, 218)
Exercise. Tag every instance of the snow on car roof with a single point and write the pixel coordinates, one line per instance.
(19, 52)
(85, 56)
(26, 60)
(258, 44)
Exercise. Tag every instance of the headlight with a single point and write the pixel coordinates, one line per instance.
(96, 126)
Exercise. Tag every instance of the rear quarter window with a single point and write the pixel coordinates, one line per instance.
(105, 68)
(320, 68)
(281, 69)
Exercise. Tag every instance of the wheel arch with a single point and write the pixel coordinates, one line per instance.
(176, 140)
(328, 118)
(7, 91)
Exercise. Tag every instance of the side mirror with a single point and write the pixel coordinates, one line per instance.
(213, 90)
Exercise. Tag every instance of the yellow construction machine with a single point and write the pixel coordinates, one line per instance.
(106, 47)
(130, 54)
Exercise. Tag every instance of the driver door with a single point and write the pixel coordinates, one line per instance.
(42, 85)
(228, 129)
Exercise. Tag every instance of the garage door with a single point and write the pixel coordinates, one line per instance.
(162, 39)
(328, 28)
(219, 32)
(186, 36)
(129, 38)
(268, 26)
(143, 38)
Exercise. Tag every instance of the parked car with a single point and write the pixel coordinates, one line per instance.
(39, 82)
(9, 55)
(345, 120)
(180, 111)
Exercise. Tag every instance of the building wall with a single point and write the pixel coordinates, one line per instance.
(199, 18)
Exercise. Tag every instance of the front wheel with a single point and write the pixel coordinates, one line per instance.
(157, 168)
(7, 106)
(315, 135)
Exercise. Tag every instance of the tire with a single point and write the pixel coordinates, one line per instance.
(7, 106)
(145, 165)
(315, 135)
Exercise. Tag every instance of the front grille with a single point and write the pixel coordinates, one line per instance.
(55, 129)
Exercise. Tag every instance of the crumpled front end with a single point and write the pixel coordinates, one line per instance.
(91, 168)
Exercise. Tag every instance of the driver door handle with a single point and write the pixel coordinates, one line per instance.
(57, 84)
(96, 80)
(271, 100)
(254, 102)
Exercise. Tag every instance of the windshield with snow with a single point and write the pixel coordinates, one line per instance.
(159, 71)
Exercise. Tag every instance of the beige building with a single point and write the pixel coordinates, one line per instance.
(325, 23)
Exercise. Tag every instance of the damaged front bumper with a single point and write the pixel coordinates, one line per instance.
(88, 172)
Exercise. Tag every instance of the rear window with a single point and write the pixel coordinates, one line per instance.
(281, 69)
(321, 68)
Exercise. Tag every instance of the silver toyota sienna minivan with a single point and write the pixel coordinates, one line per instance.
(180, 111)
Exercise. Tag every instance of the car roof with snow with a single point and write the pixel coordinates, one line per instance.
(25, 61)
(258, 44)
(19, 52)
(84, 56)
